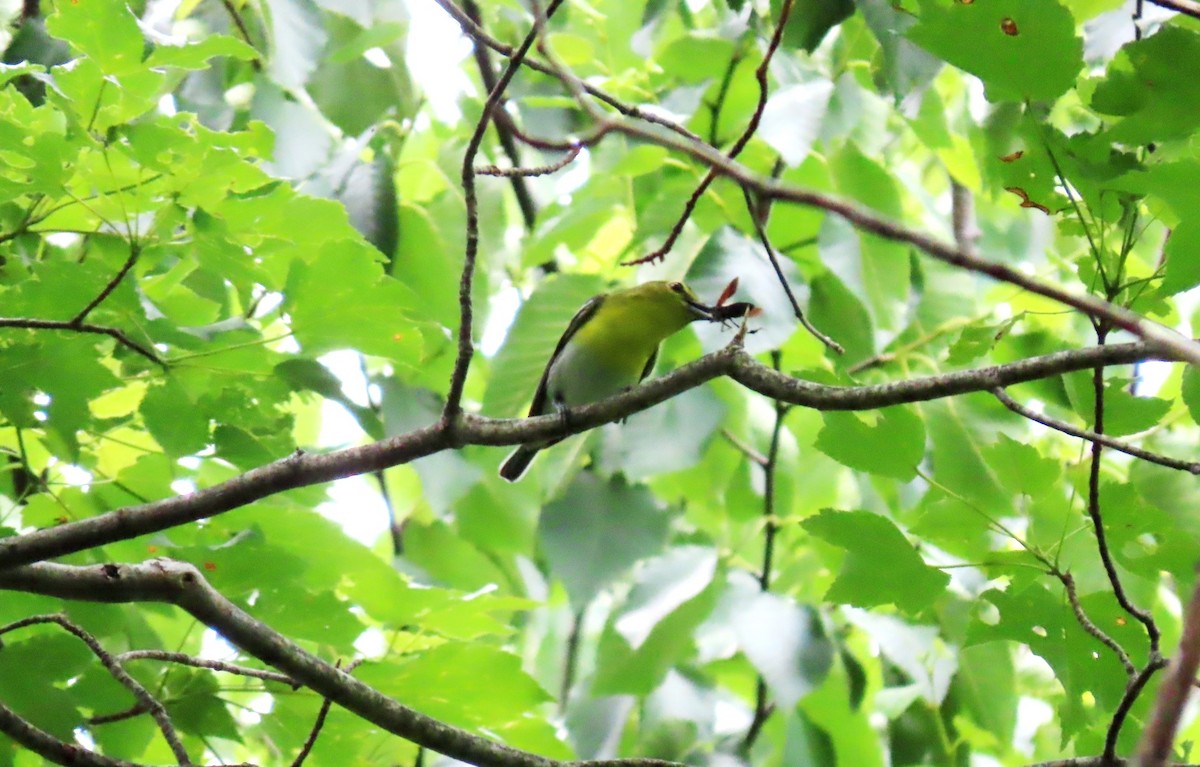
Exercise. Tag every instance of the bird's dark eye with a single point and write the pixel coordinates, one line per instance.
(676, 286)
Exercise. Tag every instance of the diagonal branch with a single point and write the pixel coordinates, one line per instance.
(303, 469)
(1161, 337)
(1116, 444)
(145, 700)
(760, 74)
(82, 327)
(183, 585)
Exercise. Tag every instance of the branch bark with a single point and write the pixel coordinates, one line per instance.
(303, 469)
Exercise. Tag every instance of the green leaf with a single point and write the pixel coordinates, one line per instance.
(1182, 254)
(1124, 413)
(173, 419)
(880, 566)
(811, 20)
(1021, 49)
(104, 31)
(653, 630)
(1143, 88)
(891, 443)
(196, 55)
(1021, 468)
(596, 531)
(443, 682)
(343, 300)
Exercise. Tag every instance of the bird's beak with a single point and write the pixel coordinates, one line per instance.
(700, 310)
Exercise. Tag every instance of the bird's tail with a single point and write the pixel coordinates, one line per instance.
(515, 465)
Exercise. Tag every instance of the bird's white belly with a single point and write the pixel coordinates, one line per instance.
(580, 378)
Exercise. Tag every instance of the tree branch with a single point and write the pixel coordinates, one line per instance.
(466, 345)
(1159, 734)
(183, 585)
(82, 327)
(1163, 338)
(144, 699)
(1116, 444)
(303, 469)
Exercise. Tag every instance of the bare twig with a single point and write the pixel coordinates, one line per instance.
(487, 75)
(1094, 512)
(1132, 691)
(134, 251)
(1116, 444)
(760, 74)
(1068, 582)
(140, 693)
(541, 170)
(301, 469)
(82, 327)
(1159, 735)
(319, 722)
(783, 280)
(466, 346)
(762, 703)
(744, 448)
(184, 659)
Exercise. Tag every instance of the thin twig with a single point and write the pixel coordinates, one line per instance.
(760, 74)
(466, 346)
(134, 251)
(143, 696)
(744, 448)
(541, 170)
(1132, 691)
(1093, 510)
(319, 722)
(1068, 582)
(1116, 444)
(487, 75)
(570, 659)
(783, 280)
(184, 659)
(762, 703)
(119, 336)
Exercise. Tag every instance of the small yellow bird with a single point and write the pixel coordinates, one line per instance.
(610, 345)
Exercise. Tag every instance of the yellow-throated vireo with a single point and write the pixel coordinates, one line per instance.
(610, 345)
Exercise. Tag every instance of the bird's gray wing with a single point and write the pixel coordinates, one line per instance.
(584, 314)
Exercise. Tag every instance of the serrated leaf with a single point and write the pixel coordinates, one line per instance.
(892, 445)
(880, 566)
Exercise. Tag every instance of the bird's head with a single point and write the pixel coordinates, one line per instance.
(673, 295)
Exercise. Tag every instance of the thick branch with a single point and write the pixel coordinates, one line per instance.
(302, 469)
(1159, 734)
(183, 585)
